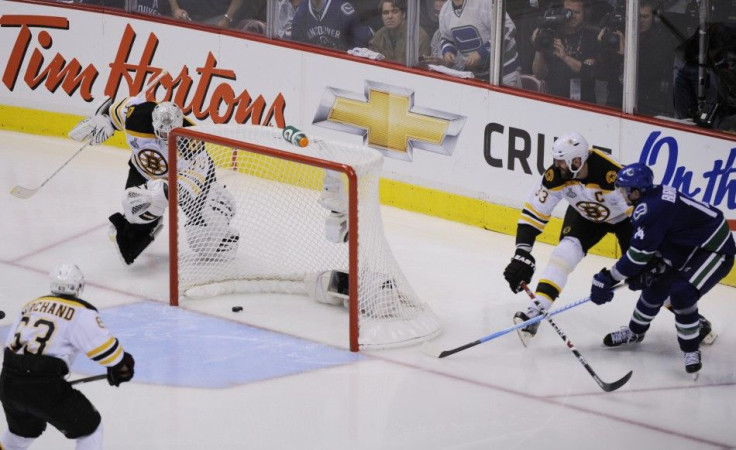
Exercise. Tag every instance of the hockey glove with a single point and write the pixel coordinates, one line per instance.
(653, 270)
(122, 371)
(601, 290)
(521, 268)
(97, 129)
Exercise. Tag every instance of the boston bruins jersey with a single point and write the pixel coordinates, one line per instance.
(150, 155)
(595, 198)
(62, 326)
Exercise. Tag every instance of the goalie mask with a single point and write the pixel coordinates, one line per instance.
(166, 116)
(67, 279)
(569, 147)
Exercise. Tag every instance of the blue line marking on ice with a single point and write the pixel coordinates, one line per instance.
(173, 346)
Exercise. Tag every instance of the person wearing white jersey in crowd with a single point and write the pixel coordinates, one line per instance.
(42, 344)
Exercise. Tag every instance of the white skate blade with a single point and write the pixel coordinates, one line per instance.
(710, 338)
(696, 375)
(524, 336)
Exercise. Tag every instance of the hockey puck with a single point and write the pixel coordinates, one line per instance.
(2, 314)
(237, 308)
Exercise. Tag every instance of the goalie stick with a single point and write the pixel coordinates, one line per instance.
(24, 193)
(608, 387)
(88, 379)
(509, 329)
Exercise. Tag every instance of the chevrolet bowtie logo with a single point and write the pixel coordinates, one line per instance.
(387, 119)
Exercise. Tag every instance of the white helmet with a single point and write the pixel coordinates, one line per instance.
(166, 116)
(67, 279)
(570, 146)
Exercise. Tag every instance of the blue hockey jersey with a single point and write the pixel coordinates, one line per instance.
(670, 223)
(336, 25)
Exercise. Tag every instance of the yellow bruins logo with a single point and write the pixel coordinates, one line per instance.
(595, 212)
(549, 175)
(566, 230)
(152, 162)
(611, 176)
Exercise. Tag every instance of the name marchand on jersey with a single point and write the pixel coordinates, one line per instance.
(61, 327)
(595, 197)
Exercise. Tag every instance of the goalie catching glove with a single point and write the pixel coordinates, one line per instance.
(520, 269)
(96, 128)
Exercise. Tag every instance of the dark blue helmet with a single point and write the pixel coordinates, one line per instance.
(635, 176)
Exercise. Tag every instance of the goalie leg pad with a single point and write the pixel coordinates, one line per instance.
(334, 197)
(213, 243)
(132, 239)
(336, 228)
(329, 287)
(146, 203)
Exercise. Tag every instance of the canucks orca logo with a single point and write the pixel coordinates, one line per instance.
(640, 210)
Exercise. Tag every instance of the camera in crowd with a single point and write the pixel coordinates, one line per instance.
(552, 20)
(614, 21)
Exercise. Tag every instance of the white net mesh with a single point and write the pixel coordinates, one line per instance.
(250, 223)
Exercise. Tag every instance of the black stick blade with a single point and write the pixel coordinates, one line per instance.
(610, 387)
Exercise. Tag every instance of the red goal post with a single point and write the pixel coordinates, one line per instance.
(258, 226)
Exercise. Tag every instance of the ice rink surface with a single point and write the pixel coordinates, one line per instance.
(278, 376)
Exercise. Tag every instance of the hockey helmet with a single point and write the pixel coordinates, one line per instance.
(570, 146)
(67, 279)
(635, 176)
(166, 116)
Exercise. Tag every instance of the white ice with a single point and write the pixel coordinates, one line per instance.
(497, 395)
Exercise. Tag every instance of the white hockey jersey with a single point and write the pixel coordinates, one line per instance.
(595, 197)
(63, 326)
(469, 29)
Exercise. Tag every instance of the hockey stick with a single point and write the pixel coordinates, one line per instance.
(510, 329)
(88, 379)
(608, 387)
(24, 193)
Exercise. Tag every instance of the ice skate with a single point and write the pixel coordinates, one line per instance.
(693, 363)
(529, 331)
(706, 335)
(622, 336)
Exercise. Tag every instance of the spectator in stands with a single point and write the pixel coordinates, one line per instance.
(331, 24)
(284, 17)
(655, 59)
(565, 50)
(390, 41)
(715, 106)
(429, 16)
(368, 13)
(221, 13)
(465, 40)
(525, 15)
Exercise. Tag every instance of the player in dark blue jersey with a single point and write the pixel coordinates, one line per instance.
(329, 23)
(681, 248)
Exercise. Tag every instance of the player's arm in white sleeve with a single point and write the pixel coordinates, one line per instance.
(95, 339)
(534, 217)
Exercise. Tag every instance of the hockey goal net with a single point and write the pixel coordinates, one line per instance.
(261, 224)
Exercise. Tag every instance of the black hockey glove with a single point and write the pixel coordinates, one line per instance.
(601, 290)
(653, 270)
(521, 268)
(122, 371)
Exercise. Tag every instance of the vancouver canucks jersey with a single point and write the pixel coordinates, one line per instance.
(468, 29)
(335, 25)
(673, 225)
(595, 197)
(62, 326)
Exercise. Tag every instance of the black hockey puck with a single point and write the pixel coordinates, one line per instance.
(2, 314)
(237, 308)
